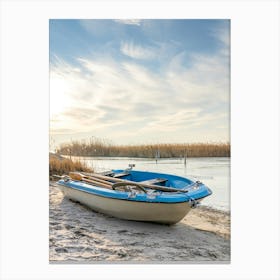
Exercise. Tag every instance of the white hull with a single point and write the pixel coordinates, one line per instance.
(166, 213)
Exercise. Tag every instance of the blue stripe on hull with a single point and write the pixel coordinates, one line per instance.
(174, 181)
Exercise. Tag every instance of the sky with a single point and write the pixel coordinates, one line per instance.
(140, 81)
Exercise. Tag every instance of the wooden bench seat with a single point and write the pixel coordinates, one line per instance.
(154, 181)
(114, 175)
(120, 175)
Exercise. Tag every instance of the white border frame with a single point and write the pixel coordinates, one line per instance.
(254, 137)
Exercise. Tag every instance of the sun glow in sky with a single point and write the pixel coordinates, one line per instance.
(140, 81)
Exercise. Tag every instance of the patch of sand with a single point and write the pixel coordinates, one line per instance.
(78, 234)
(208, 219)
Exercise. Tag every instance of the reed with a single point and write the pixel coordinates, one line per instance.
(169, 150)
(59, 165)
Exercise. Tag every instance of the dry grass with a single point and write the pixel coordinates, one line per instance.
(101, 148)
(60, 166)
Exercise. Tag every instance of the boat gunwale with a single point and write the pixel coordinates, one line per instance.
(187, 197)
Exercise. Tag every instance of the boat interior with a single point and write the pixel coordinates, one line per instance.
(149, 178)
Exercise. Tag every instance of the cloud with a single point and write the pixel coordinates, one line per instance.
(130, 103)
(222, 34)
(136, 51)
(129, 21)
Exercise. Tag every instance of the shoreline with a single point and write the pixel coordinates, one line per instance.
(165, 150)
(78, 234)
(138, 157)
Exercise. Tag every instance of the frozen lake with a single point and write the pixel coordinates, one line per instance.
(214, 172)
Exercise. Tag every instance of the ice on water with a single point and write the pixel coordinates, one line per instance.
(214, 172)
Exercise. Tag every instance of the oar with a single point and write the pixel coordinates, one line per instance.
(82, 175)
(79, 177)
(59, 176)
(117, 180)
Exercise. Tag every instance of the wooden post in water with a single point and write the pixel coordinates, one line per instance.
(157, 156)
(185, 158)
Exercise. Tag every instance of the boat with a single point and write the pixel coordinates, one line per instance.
(135, 195)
